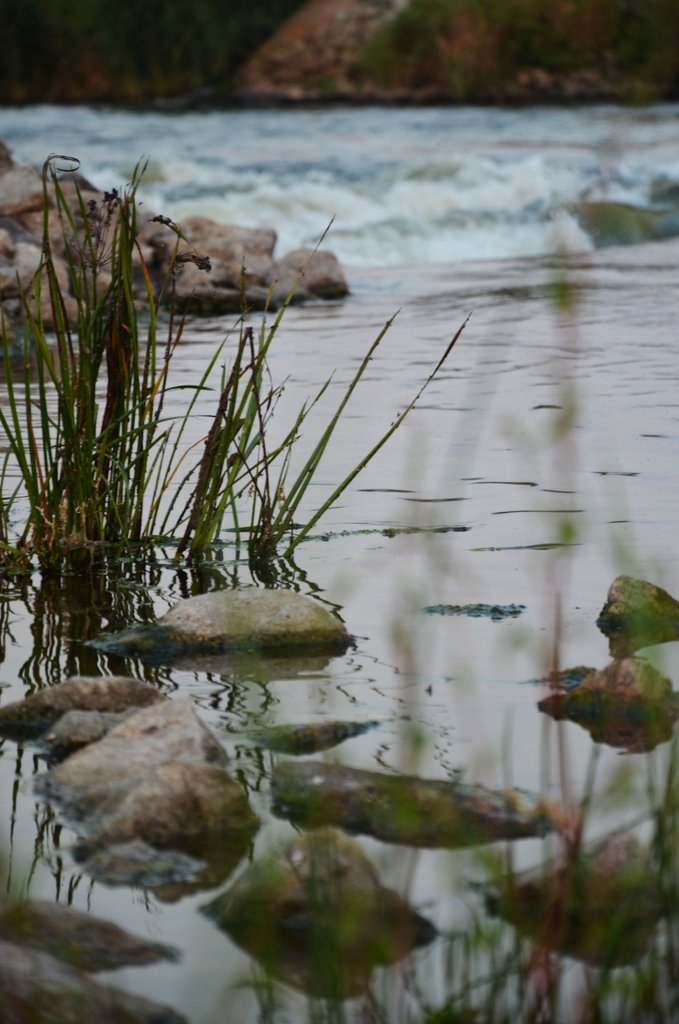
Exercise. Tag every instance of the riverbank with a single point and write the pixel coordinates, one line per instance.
(359, 51)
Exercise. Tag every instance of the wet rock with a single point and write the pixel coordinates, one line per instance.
(307, 739)
(318, 273)
(29, 718)
(628, 704)
(624, 224)
(599, 906)
(403, 809)
(137, 863)
(315, 915)
(37, 988)
(637, 614)
(160, 777)
(494, 612)
(77, 729)
(266, 620)
(76, 938)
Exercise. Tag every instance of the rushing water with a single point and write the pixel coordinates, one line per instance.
(538, 466)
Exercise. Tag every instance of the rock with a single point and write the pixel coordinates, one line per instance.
(160, 777)
(402, 809)
(600, 906)
(29, 718)
(78, 729)
(319, 273)
(307, 739)
(21, 191)
(137, 863)
(266, 620)
(314, 913)
(628, 704)
(637, 614)
(37, 988)
(76, 938)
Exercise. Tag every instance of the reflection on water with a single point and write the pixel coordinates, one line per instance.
(537, 415)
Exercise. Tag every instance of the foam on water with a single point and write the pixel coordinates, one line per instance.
(401, 186)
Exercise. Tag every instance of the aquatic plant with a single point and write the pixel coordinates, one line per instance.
(103, 460)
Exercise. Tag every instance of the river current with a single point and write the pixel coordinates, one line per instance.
(539, 465)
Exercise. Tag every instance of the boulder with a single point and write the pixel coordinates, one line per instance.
(245, 619)
(315, 915)
(21, 191)
(318, 273)
(159, 776)
(637, 614)
(79, 939)
(37, 988)
(598, 905)
(30, 718)
(402, 808)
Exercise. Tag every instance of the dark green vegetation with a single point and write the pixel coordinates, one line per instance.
(103, 456)
(525, 49)
(69, 50)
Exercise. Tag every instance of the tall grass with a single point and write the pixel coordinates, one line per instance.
(103, 459)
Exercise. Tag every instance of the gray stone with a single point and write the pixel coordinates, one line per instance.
(317, 272)
(79, 939)
(137, 863)
(20, 191)
(29, 718)
(252, 618)
(160, 777)
(315, 914)
(37, 988)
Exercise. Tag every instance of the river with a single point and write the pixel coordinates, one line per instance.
(539, 465)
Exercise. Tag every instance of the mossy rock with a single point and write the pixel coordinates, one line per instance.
(278, 621)
(638, 614)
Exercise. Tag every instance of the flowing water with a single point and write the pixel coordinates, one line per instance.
(538, 466)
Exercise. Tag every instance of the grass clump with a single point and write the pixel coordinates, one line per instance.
(102, 459)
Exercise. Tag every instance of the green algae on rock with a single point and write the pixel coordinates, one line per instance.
(628, 704)
(637, 614)
(247, 619)
(315, 915)
(307, 739)
(402, 808)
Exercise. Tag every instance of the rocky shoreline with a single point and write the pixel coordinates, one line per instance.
(219, 268)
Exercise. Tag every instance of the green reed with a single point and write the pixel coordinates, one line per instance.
(103, 459)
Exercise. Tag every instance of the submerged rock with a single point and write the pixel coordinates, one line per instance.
(402, 808)
(29, 718)
(494, 612)
(77, 729)
(265, 620)
(600, 906)
(76, 938)
(160, 777)
(628, 704)
(316, 916)
(307, 739)
(637, 614)
(38, 988)
(137, 863)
